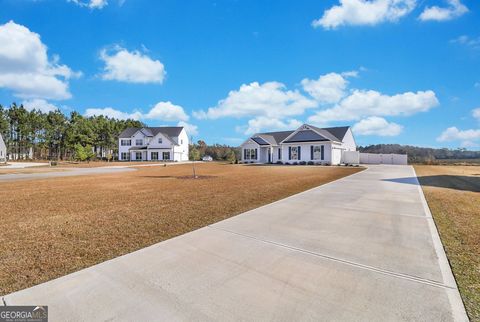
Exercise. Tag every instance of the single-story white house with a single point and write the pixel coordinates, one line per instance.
(307, 143)
(3, 150)
(168, 143)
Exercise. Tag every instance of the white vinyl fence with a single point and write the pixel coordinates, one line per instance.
(374, 158)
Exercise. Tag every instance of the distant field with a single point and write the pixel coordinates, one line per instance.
(53, 227)
(453, 195)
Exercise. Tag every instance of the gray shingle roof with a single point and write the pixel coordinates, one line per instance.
(306, 136)
(170, 131)
(324, 134)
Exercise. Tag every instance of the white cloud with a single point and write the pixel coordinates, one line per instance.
(190, 128)
(476, 113)
(166, 111)
(25, 67)
(269, 99)
(364, 12)
(329, 88)
(92, 4)
(467, 41)
(112, 113)
(468, 138)
(375, 125)
(162, 111)
(263, 124)
(364, 103)
(132, 67)
(455, 9)
(39, 105)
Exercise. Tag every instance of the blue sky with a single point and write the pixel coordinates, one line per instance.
(398, 71)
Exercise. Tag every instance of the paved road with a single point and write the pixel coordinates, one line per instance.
(67, 172)
(363, 248)
(23, 165)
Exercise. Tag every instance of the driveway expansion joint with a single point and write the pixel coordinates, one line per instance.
(408, 277)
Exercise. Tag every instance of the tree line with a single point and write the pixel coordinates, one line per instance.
(56, 136)
(218, 152)
(422, 155)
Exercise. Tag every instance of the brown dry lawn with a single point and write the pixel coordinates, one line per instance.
(52, 227)
(453, 195)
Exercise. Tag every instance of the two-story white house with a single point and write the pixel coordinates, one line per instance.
(3, 150)
(169, 143)
(307, 143)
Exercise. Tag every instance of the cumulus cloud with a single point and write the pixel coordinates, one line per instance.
(131, 67)
(454, 10)
(262, 124)
(166, 111)
(375, 125)
(113, 113)
(39, 105)
(364, 103)
(25, 67)
(162, 111)
(270, 99)
(329, 88)
(364, 12)
(92, 4)
(190, 128)
(468, 138)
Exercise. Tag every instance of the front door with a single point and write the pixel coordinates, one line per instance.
(166, 155)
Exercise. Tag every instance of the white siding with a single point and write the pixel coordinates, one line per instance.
(250, 145)
(305, 152)
(349, 143)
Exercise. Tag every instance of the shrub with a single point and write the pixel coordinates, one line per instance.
(302, 163)
(287, 163)
(279, 162)
(327, 163)
(310, 163)
(295, 163)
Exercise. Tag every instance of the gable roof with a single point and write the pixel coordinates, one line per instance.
(306, 136)
(314, 134)
(169, 131)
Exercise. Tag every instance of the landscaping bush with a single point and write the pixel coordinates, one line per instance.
(310, 163)
(279, 162)
(287, 163)
(295, 163)
(302, 163)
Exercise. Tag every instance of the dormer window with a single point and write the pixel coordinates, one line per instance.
(160, 140)
(138, 142)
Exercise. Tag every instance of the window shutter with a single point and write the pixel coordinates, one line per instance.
(244, 154)
(289, 153)
(322, 152)
(311, 152)
(256, 154)
(299, 153)
(279, 154)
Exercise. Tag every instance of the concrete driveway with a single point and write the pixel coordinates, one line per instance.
(363, 248)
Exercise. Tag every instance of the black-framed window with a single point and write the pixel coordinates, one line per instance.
(138, 142)
(125, 142)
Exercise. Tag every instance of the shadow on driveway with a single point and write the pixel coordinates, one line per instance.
(463, 183)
